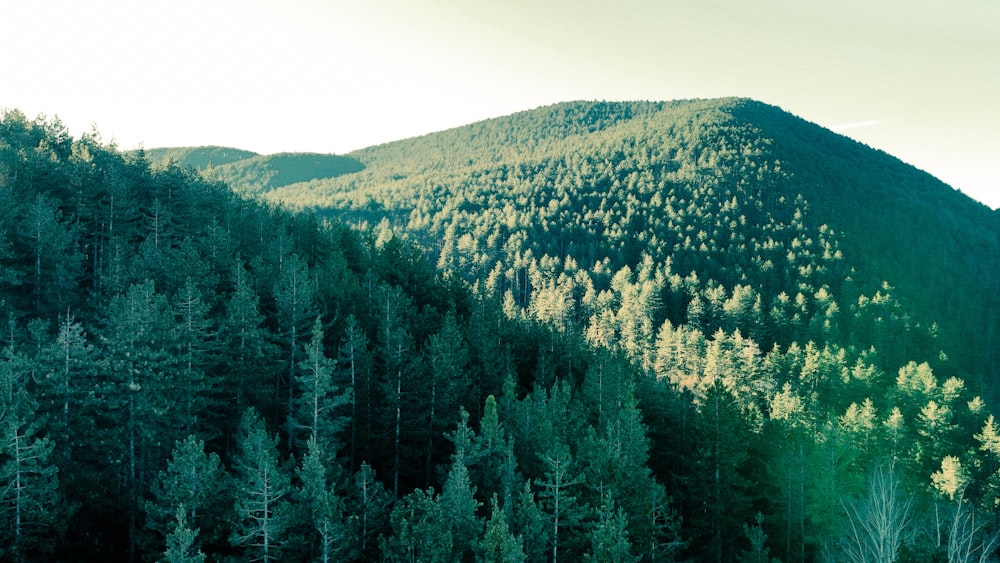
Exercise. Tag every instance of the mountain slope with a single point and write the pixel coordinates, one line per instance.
(721, 188)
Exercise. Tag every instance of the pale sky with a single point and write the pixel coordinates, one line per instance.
(919, 79)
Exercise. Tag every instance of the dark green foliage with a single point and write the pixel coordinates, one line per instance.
(262, 510)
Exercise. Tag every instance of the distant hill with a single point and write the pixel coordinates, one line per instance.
(733, 190)
(199, 158)
(252, 173)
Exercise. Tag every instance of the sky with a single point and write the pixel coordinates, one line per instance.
(919, 79)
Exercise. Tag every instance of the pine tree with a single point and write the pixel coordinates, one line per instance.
(494, 462)
(354, 370)
(609, 540)
(322, 504)
(457, 498)
(531, 525)
(565, 514)
(194, 479)
(369, 502)
(181, 541)
(29, 491)
(499, 544)
(261, 488)
(246, 349)
(449, 385)
(318, 399)
(420, 531)
(295, 295)
(195, 346)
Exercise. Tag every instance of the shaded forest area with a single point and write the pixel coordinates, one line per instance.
(189, 375)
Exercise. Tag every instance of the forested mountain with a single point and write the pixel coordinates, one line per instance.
(642, 334)
(714, 187)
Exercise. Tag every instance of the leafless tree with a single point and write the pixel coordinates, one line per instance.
(876, 524)
(968, 539)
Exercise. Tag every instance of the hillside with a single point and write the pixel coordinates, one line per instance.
(199, 158)
(720, 188)
(253, 174)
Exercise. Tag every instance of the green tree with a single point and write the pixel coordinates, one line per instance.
(295, 295)
(531, 525)
(261, 487)
(609, 540)
(196, 347)
(458, 497)
(354, 364)
(246, 350)
(329, 531)
(29, 491)
(318, 399)
(420, 531)
(69, 365)
(55, 259)
(140, 405)
(758, 552)
(499, 544)
(449, 384)
(565, 513)
(368, 507)
(494, 462)
(194, 479)
(181, 546)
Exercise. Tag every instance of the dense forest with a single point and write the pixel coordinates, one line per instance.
(488, 345)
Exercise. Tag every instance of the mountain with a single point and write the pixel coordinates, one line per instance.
(592, 331)
(613, 184)
(251, 173)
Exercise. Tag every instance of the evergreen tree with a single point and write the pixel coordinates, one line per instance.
(565, 514)
(355, 371)
(449, 383)
(457, 498)
(323, 506)
(181, 541)
(420, 531)
(195, 346)
(295, 295)
(261, 507)
(318, 398)
(609, 540)
(29, 491)
(194, 479)
(246, 349)
(531, 525)
(499, 544)
(369, 504)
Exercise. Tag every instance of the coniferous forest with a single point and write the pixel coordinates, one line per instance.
(687, 331)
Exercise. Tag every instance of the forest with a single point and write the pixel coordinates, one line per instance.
(603, 332)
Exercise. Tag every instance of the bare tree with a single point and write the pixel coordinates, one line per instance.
(968, 539)
(876, 524)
